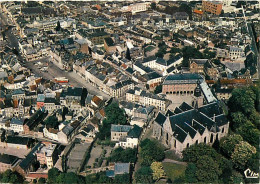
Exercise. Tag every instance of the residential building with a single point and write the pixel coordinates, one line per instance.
(132, 138)
(213, 7)
(146, 99)
(119, 132)
(197, 65)
(47, 154)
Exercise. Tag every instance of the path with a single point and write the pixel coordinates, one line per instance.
(174, 161)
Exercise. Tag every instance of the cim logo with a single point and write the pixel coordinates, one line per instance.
(251, 174)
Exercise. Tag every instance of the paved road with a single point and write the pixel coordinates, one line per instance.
(74, 79)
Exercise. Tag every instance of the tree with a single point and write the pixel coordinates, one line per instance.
(194, 152)
(127, 55)
(188, 53)
(190, 173)
(144, 175)
(41, 181)
(58, 27)
(83, 96)
(158, 89)
(186, 8)
(53, 173)
(208, 54)
(52, 122)
(123, 155)
(65, 111)
(242, 153)
(249, 133)
(153, 5)
(228, 144)
(208, 170)
(11, 177)
(242, 99)
(122, 178)
(158, 171)
(115, 115)
(238, 119)
(68, 178)
(150, 152)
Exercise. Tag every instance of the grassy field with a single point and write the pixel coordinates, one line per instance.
(175, 172)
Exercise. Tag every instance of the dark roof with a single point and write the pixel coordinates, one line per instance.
(223, 90)
(187, 120)
(184, 106)
(109, 41)
(183, 76)
(160, 119)
(25, 163)
(211, 109)
(169, 113)
(8, 159)
(135, 132)
(18, 140)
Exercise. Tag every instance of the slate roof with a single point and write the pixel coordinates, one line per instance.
(8, 159)
(17, 121)
(183, 78)
(135, 132)
(25, 163)
(18, 140)
(187, 120)
(109, 41)
(160, 118)
(120, 128)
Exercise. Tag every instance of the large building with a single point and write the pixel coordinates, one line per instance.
(187, 126)
(214, 7)
(181, 84)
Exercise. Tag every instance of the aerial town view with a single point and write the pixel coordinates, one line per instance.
(129, 92)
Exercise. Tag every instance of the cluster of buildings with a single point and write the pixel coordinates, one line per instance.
(115, 47)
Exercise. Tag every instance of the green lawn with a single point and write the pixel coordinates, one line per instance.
(175, 172)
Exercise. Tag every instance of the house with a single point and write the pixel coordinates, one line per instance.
(8, 162)
(197, 65)
(34, 121)
(16, 125)
(213, 7)
(223, 93)
(160, 63)
(47, 154)
(109, 45)
(119, 168)
(18, 142)
(68, 132)
(187, 126)
(146, 99)
(132, 138)
(119, 132)
(40, 100)
(27, 164)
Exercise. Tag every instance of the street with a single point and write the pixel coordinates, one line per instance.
(74, 79)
